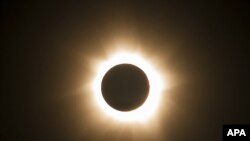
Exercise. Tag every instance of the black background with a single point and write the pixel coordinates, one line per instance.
(45, 47)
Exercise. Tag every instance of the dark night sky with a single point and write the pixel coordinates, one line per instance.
(45, 47)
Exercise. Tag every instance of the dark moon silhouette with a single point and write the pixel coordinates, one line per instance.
(125, 87)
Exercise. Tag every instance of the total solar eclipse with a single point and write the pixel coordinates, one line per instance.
(125, 87)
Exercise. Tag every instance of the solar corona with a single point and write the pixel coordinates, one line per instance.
(129, 74)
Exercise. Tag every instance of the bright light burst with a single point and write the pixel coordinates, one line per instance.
(149, 107)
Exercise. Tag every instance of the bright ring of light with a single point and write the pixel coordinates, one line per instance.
(149, 107)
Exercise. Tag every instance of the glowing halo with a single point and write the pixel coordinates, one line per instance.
(149, 107)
